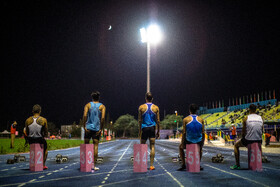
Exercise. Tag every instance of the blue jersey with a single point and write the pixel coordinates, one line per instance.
(149, 117)
(94, 115)
(194, 130)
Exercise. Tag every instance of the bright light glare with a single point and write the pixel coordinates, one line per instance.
(151, 35)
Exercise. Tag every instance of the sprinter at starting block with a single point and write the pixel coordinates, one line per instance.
(93, 119)
(36, 129)
(148, 119)
(251, 133)
(193, 133)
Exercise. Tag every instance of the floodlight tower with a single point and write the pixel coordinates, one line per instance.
(151, 35)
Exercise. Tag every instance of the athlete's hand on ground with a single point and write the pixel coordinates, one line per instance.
(86, 130)
(98, 132)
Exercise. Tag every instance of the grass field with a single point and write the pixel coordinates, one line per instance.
(52, 145)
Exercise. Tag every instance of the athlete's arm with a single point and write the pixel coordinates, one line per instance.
(203, 130)
(45, 128)
(26, 126)
(102, 121)
(139, 119)
(86, 108)
(243, 133)
(184, 130)
(157, 122)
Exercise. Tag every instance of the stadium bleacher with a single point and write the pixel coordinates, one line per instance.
(218, 118)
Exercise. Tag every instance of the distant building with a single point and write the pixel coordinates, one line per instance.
(65, 129)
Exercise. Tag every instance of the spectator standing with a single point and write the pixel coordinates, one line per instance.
(13, 133)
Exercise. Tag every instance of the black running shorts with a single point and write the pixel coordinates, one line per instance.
(92, 134)
(148, 132)
(39, 141)
(246, 142)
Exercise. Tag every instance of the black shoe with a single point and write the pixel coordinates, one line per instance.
(183, 168)
(201, 168)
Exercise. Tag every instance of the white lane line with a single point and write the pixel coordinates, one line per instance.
(21, 184)
(277, 169)
(129, 180)
(245, 178)
(49, 173)
(41, 177)
(176, 180)
(66, 178)
(32, 180)
(4, 169)
(112, 170)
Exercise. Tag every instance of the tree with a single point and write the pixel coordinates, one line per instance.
(126, 125)
(170, 121)
(76, 129)
(52, 128)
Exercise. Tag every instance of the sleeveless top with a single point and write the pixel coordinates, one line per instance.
(35, 130)
(149, 117)
(194, 130)
(94, 115)
(254, 127)
(13, 129)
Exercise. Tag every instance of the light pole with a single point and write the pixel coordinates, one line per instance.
(151, 35)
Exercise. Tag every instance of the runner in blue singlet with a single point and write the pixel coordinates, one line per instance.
(93, 119)
(193, 133)
(149, 120)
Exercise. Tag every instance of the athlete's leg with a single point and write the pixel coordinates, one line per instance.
(200, 151)
(182, 154)
(152, 153)
(236, 151)
(87, 137)
(95, 142)
(143, 137)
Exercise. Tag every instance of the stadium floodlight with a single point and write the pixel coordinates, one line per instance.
(151, 35)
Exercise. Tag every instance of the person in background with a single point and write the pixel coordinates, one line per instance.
(13, 133)
(267, 138)
(233, 133)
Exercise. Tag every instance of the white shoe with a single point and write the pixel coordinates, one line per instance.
(96, 168)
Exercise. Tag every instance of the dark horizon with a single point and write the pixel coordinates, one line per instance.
(57, 52)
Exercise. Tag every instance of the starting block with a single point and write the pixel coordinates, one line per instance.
(255, 157)
(60, 159)
(140, 158)
(99, 160)
(86, 157)
(36, 157)
(192, 158)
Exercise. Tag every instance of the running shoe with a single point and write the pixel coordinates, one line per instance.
(152, 168)
(96, 168)
(234, 167)
(45, 167)
(201, 168)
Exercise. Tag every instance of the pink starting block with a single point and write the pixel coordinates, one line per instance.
(192, 158)
(255, 156)
(36, 157)
(86, 157)
(140, 157)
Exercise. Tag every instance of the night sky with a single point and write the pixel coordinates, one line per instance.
(57, 52)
